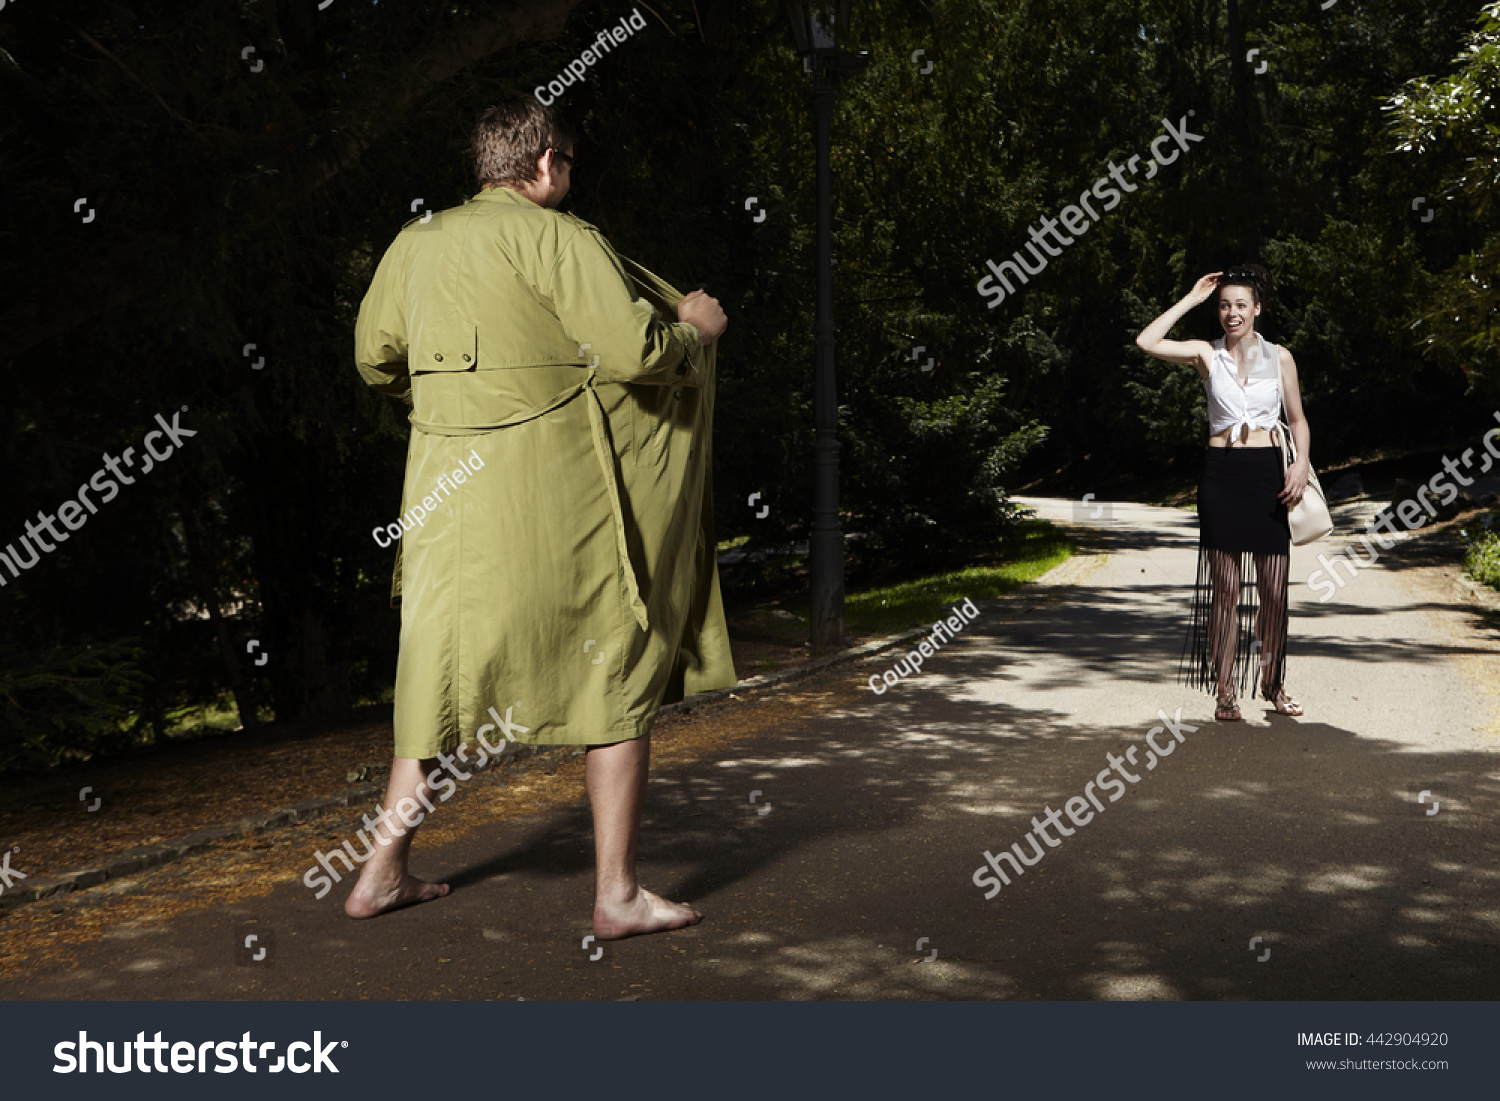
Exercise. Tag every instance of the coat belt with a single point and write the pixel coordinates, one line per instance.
(602, 452)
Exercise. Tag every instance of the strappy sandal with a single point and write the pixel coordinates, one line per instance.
(1227, 711)
(1283, 703)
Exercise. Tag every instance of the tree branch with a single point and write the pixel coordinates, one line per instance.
(126, 70)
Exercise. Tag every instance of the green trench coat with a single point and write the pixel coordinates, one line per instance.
(563, 582)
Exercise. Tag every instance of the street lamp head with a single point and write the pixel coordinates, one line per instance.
(818, 26)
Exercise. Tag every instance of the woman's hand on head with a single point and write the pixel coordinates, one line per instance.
(1203, 289)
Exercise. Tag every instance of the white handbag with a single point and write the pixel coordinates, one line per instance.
(1308, 518)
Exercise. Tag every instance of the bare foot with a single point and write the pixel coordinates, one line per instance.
(646, 913)
(372, 900)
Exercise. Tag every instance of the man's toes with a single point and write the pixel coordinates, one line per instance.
(425, 892)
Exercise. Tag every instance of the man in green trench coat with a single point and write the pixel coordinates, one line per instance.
(555, 566)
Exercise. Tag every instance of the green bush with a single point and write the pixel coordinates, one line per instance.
(67, 703)
(1482, 550)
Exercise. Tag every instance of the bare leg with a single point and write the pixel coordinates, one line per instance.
(1270, 578)
(1223, 622)
(615, 776)
(384, 883)
(1271, 628)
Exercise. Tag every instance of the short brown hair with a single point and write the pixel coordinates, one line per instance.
(511, 135)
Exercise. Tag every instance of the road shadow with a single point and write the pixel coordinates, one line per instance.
(1303, 834)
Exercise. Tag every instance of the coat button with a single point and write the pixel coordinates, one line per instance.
(437, 356)
(466, 359)
(676, 395)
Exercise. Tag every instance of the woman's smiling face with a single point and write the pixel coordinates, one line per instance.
(1237, 309)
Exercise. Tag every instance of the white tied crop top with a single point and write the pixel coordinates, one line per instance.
(1256, 404)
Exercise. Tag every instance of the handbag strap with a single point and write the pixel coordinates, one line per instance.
(1288, 446)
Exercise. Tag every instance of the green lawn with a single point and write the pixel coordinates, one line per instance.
(1033, 549)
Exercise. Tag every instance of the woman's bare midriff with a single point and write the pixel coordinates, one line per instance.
(1256, 437)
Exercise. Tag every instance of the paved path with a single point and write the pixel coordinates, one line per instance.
(1305, 833)
(1375, 659)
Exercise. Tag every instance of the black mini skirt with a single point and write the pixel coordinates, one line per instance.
(1238, 514)
(1237, 506)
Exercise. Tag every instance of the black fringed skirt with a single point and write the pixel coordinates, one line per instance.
(1238, 513)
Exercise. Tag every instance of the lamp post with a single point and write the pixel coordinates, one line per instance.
(817, 29)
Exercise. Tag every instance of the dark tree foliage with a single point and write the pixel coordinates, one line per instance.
(196, 195)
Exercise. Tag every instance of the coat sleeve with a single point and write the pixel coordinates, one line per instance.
(598, 305)
(380, 333)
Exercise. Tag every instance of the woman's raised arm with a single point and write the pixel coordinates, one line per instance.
(1153, 340)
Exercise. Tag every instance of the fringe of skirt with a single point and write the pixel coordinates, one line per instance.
(1196, 667)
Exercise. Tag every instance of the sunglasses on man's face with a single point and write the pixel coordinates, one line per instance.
(558, 154)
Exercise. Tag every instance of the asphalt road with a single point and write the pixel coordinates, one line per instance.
(1310, 834)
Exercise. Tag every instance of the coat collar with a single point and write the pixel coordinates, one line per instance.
(504, 195)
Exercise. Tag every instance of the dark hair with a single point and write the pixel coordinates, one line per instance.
(511, 135)
(1258, 279)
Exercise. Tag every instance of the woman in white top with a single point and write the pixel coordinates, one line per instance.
(1244, 495)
